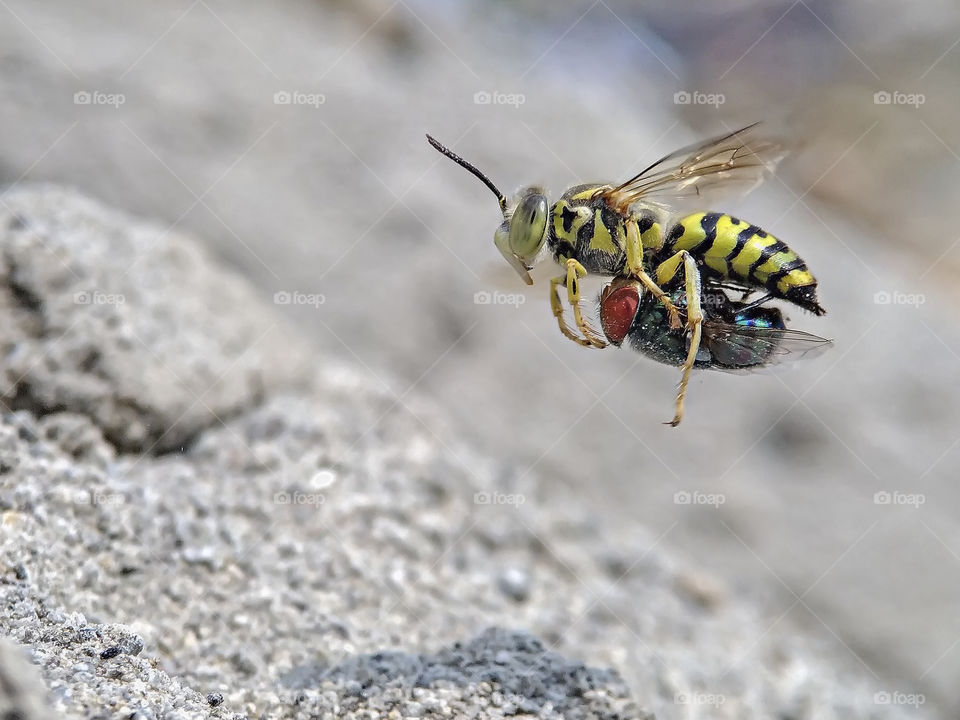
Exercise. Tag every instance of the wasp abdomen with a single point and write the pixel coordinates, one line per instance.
(730, 248)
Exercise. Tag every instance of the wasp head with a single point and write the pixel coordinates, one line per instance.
(523, 231)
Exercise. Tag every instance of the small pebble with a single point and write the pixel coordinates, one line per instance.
(515, 583)
(131, 644)
(205, 555)
(215, 699)
(702, 589)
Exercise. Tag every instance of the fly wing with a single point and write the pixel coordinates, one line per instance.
(745, 348)
(740, 160)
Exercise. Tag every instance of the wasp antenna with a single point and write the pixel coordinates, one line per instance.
(472, 169)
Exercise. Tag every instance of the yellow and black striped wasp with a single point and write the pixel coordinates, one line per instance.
(634, 231)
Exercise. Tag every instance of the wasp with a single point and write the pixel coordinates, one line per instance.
(635, 231)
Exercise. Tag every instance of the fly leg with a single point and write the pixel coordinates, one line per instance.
(666, 271)
(575, 271)
(635, 267)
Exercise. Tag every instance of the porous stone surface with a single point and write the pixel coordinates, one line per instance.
(501, 673)
(94, 322)
(327, 553)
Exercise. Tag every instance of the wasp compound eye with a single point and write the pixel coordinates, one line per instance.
(528, 226)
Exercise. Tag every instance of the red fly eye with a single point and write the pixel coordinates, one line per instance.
(617, 310)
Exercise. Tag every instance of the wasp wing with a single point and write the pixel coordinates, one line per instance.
(744, 348)
(741, 160)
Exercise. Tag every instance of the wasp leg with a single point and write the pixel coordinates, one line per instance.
(575, 271)
(635, 266)
(557, 307)
(666, 271)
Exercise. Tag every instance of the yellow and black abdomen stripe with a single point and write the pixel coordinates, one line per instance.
(728, 248)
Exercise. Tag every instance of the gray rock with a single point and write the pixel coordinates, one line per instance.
(497, 668)
(128, 324)
(320, 555)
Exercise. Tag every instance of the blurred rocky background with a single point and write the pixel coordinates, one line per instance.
(289, 137)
